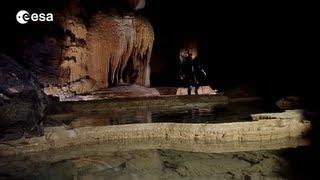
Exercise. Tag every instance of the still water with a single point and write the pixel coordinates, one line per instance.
(233, 112)
(159, 164)
(162, 160)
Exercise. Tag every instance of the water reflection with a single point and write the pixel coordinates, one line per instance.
(151, 164)
(213, 114)
(161, 158)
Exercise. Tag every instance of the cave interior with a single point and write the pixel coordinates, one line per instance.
(266, 47)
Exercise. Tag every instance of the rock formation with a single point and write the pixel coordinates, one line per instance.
(237, 132)
(288, 114)
(116, 44)
(107, 48)
(202, 90)
(22, 101)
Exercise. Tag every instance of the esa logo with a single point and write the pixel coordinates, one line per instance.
(23, 17)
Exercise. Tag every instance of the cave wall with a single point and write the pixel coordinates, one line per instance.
(107, 48)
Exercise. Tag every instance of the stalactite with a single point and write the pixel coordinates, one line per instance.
(142, 50)
(113, 40)
(99, 51)
(110, 43)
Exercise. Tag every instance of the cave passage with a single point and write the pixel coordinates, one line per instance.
(104, 90)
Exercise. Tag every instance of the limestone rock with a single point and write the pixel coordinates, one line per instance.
(74, 54)
(202, 90)
(119, 49)
(142, 49)
(110, 43)
(288, 114)
(238, 133)
(81, 86)
(58, 91)
(110, 49)
(21, 99)
(132, 91)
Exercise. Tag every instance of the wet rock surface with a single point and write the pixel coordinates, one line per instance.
(22, 102)
(227, 134)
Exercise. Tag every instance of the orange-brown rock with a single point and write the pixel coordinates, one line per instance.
(113, 41)
(111, 50)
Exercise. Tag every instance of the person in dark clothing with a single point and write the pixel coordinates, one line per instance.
(192, 73)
